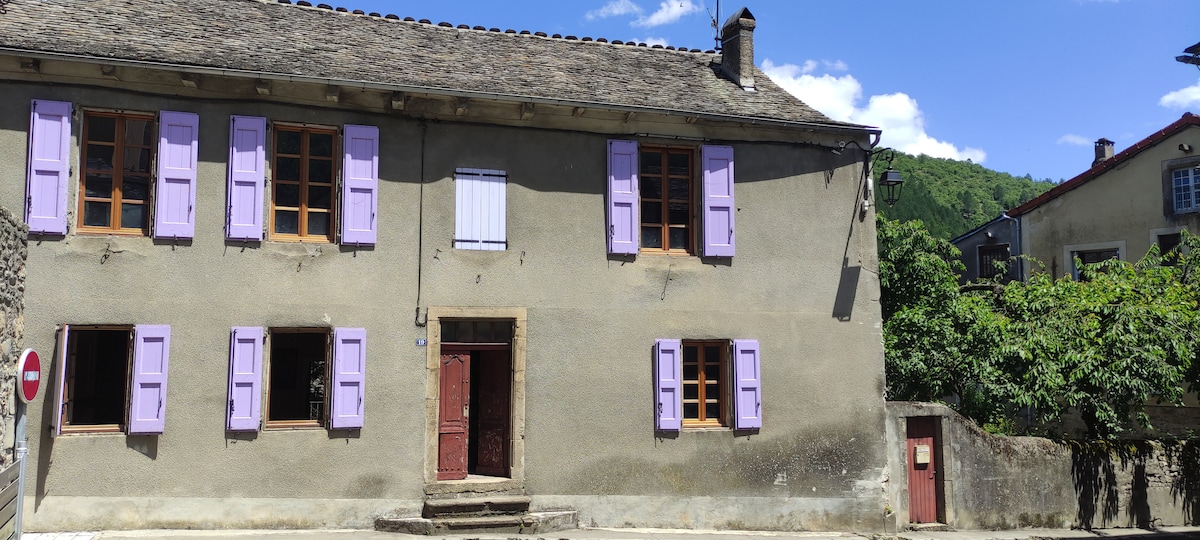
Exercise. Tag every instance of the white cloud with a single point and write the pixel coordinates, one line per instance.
(898, 115)
(668, 12)
(615, 8)
(1074, 140)
(836, 65)
(1182, 98)
(652, 41)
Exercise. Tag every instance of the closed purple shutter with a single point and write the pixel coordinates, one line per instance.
(747, 407)
(623, 224)
(247, 177)
(245, 378)
(175, 195)
(349, 379)
(718, 200)
(668, 400)
(61, 392)
(360, 184)
(148, 385)
(49, 167)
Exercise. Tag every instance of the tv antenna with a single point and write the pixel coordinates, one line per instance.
(716, 24)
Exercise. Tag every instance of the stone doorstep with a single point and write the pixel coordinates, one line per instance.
(527, 523)
(476, 506)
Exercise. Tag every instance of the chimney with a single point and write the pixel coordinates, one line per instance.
(1104, 151)
(737, 48)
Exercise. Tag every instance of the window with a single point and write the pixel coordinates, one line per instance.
(114, 378)
(1185, 190)
(989, 256)
(1167, 248)
(697, 384)
(304, 389)
(656, 205)
(480, 209)
(115, 191)
(302, 202)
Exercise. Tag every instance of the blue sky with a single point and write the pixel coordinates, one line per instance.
(1021, 86)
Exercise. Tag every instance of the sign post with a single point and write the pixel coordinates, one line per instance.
(29, 381)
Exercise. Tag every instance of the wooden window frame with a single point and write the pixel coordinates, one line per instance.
(72, 364)
(692, 201)
(303, 209)
(319, 423)
(722, 398)
(118, 173)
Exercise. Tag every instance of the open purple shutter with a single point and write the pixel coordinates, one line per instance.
(360, 184)
(49, 167)
(623, 224)
(61, 390)
(668, 400)
(245, 376)
(247, 177)
(718, 200)
(747, 408)
(175, 195)
(349, 368)
(148, 387)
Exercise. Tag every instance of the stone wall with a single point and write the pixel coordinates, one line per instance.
(13, 249)
(994, 482)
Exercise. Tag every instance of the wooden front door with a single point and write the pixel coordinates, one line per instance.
(923, 470)
(493, 384)
(453, 415)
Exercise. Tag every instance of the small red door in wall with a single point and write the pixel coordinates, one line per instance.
(922, 470)
(453, 420)
(495, 380)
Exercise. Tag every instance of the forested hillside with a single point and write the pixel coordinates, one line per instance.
(953, 197)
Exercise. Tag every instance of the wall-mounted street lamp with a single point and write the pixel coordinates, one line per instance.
(891, 181)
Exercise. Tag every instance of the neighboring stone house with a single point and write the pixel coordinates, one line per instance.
(990, 251)
(303, 267)
(1143, 196)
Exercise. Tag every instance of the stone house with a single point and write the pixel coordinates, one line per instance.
(989, 251)
(300, 266)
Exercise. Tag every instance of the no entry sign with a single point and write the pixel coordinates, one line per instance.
(29, 371)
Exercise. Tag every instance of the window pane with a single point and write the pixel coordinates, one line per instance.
(651, 163)
(287, 142)
(651, 237)
(138, 132)
(318, 196)
(651, 212)
(712, 369)
(97, 387)
(712, 411)
(135, 188)
(98, 185)
(320, 144)
(651, 187)
(99, 157)
(137, 160)
(287, 222)
(102, 128)
(691, 371)
(679, 213)
(679, 188)
(677, 164)
(691, 410)
(287, 169)
(691, 353)
(287, 195)
(691, 391)
(318, 223)
(679, 238)
(320, 170)
(466, 332)
(133, 216)
(297, 364)
(483, 332)
(449, 331)
(97, 214)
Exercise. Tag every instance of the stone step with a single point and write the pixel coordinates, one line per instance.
(527, 523)
(476, 506)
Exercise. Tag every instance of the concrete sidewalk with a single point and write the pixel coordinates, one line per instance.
(624, 534)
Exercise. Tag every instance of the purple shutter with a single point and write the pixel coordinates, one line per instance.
(668, 400)
(747, 407)
(247, 177)
(349, 368)
(360, 184)
(245, 376)
(49, 167)
(623, 224)
(175, 195)
(148, 385)
(718, 200)
(61, 392)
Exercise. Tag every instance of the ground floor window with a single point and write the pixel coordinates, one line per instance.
(707, 383)
(296, 395)
(97, 377)
(705, 364)
(989, 256)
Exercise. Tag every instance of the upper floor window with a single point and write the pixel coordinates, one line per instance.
(480, 209)
(114, 193)
(665, 185)
(303, 204)
(1185, 190)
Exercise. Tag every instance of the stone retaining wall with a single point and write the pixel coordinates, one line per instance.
(13, 249)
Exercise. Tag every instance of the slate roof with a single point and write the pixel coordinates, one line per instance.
(1187, 120)
(281, 39)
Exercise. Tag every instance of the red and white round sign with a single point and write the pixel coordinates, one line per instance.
(29, 371)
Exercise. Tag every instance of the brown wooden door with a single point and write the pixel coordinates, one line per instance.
(493, 385)
(453, 416)
(922, 470)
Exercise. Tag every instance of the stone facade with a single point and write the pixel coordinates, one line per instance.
(13, 249)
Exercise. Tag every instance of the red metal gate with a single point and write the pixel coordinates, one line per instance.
(453, 418)
(923, 470)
